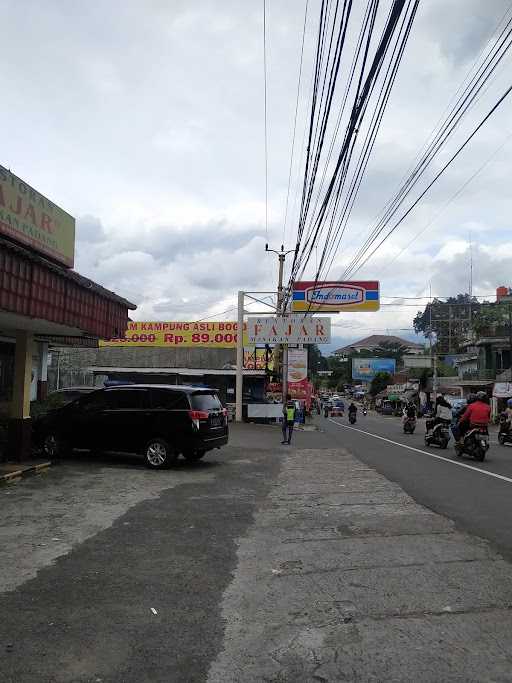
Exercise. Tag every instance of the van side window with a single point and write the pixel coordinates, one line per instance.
(126, 399)
(90, 404)
(169, 400)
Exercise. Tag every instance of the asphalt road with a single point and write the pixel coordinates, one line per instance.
(459, 488)
(114, 573)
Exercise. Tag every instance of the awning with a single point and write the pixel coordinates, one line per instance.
(502, 390)
(52, 302)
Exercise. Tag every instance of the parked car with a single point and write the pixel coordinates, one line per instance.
(159, 422)
(58, 399)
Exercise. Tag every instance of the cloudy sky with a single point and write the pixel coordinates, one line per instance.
(145, 121)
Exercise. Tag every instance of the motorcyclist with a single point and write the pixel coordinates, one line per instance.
(410, 411)
(442, 413)
(506, 423)
(352, 409)
(477, 414)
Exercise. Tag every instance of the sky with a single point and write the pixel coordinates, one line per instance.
(145, 121)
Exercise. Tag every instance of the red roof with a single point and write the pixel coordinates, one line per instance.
(34, 287)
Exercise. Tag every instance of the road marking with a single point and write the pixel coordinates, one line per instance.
(432, 455)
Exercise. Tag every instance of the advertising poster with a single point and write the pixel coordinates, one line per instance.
(219, 335)
(258, 359)
(336, 296)
(365, 369)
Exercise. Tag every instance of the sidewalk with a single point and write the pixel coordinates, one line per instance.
(10, 471)
(343, 577)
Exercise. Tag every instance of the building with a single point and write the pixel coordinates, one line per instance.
(42, 300)
(213, 367)
(376, 341)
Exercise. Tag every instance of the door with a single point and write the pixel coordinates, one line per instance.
(170, 416)
(84, 421)
(125, 419)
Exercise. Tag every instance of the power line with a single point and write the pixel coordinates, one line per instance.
(449, 201)
(436, 177)
(393, 39)
(265, 111)
(464, 103)
(295, 120)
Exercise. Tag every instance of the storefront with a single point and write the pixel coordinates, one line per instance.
(42, 300)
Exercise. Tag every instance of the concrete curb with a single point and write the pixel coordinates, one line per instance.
(23, 472)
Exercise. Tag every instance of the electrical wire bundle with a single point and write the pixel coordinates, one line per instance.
(326, 203)
(471, 92)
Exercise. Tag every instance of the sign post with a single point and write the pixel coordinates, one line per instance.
(239, 359)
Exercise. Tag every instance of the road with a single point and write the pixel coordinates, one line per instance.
(315, 562)
(459, 488)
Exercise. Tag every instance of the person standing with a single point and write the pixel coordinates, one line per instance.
(288, 421)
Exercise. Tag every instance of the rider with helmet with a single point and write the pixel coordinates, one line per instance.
(477, 414)
(507, 415)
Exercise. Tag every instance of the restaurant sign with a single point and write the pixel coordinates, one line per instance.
(33, 220)
(220, 335)
(293, 329)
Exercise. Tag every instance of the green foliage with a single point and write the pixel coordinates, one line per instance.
(389, 349)
(444, 370)
(490, 316)
(341, 372)
(379, 382)
(448, 320)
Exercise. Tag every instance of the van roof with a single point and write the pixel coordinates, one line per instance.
(171, 387)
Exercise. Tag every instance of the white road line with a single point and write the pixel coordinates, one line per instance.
(432, 455)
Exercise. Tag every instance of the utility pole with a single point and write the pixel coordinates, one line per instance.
(282, 254)
(239, 358)
(510, 340)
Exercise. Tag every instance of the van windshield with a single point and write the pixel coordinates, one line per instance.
(205, 401)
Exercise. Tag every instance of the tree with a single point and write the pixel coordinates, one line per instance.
(389, 349)
(450, 321)
(491, 317)
(341, 372)
(379, 382)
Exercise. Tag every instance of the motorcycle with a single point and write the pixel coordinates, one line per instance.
(365, 412)
(409, 425)
(475, 444)
(439, 436)
(505, 433)
(352, 418)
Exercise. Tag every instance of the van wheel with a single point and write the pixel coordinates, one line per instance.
(193, 456)
(158, 454)
(54, 446)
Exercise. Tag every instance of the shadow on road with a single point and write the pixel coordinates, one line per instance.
(132, 460)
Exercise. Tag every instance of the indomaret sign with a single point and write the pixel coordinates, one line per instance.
(333, 297)
(295, 329)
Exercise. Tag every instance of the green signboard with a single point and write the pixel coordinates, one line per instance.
(30, 218)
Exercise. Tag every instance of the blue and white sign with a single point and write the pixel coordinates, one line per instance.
(365, 369)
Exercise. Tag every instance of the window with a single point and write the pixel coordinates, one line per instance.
(169, 400)
(204, 401)
(92, 403)
(126, 399)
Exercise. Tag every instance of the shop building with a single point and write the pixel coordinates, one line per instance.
(43, 301)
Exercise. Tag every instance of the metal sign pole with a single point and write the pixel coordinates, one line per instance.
(239, 358)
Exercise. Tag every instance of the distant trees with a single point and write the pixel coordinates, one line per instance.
(379, 383)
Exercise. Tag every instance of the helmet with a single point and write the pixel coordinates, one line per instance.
(509, 403)
(471, 398)
(481, 396)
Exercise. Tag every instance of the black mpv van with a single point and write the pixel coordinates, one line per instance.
(159, 421)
